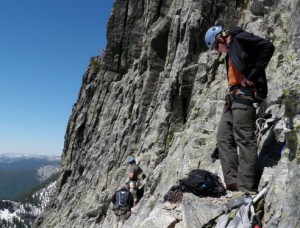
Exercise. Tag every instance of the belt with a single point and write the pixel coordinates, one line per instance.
(238, 89)
(234, 87)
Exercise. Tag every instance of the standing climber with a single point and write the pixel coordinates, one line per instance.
(122, 203)
(247, 56)
(133, 173)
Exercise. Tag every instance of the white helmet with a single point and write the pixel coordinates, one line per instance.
(131, 159)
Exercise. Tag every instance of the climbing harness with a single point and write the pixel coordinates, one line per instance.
(242, 95)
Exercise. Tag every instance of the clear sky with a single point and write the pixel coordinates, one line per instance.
(45, 48)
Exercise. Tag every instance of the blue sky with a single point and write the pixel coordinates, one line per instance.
(45, 48)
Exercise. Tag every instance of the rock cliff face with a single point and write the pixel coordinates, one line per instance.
(157, 94)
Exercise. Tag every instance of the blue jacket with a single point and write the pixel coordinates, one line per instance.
(250, 54)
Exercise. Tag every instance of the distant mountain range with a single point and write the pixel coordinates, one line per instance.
(12, 157)
(23, 213)
(20, 173)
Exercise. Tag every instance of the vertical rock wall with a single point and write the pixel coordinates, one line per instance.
(157, 94)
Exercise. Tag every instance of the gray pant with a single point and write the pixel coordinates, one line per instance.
(120, 219)
(237, 130)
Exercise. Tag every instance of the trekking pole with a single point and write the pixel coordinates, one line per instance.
(254, 200)
(260, 194)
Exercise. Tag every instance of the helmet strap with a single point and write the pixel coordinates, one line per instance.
(224, 35)
(225, 32)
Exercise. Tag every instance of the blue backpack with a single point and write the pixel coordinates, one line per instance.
(121, 206)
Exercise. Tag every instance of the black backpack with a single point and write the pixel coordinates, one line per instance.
(200, 182)
(121, 206)
(203, 183)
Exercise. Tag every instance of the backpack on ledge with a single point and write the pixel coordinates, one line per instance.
(203, 183)
(200, 182)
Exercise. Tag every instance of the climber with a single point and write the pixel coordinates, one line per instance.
(247, 56)
(122, 203)
(134, 182)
